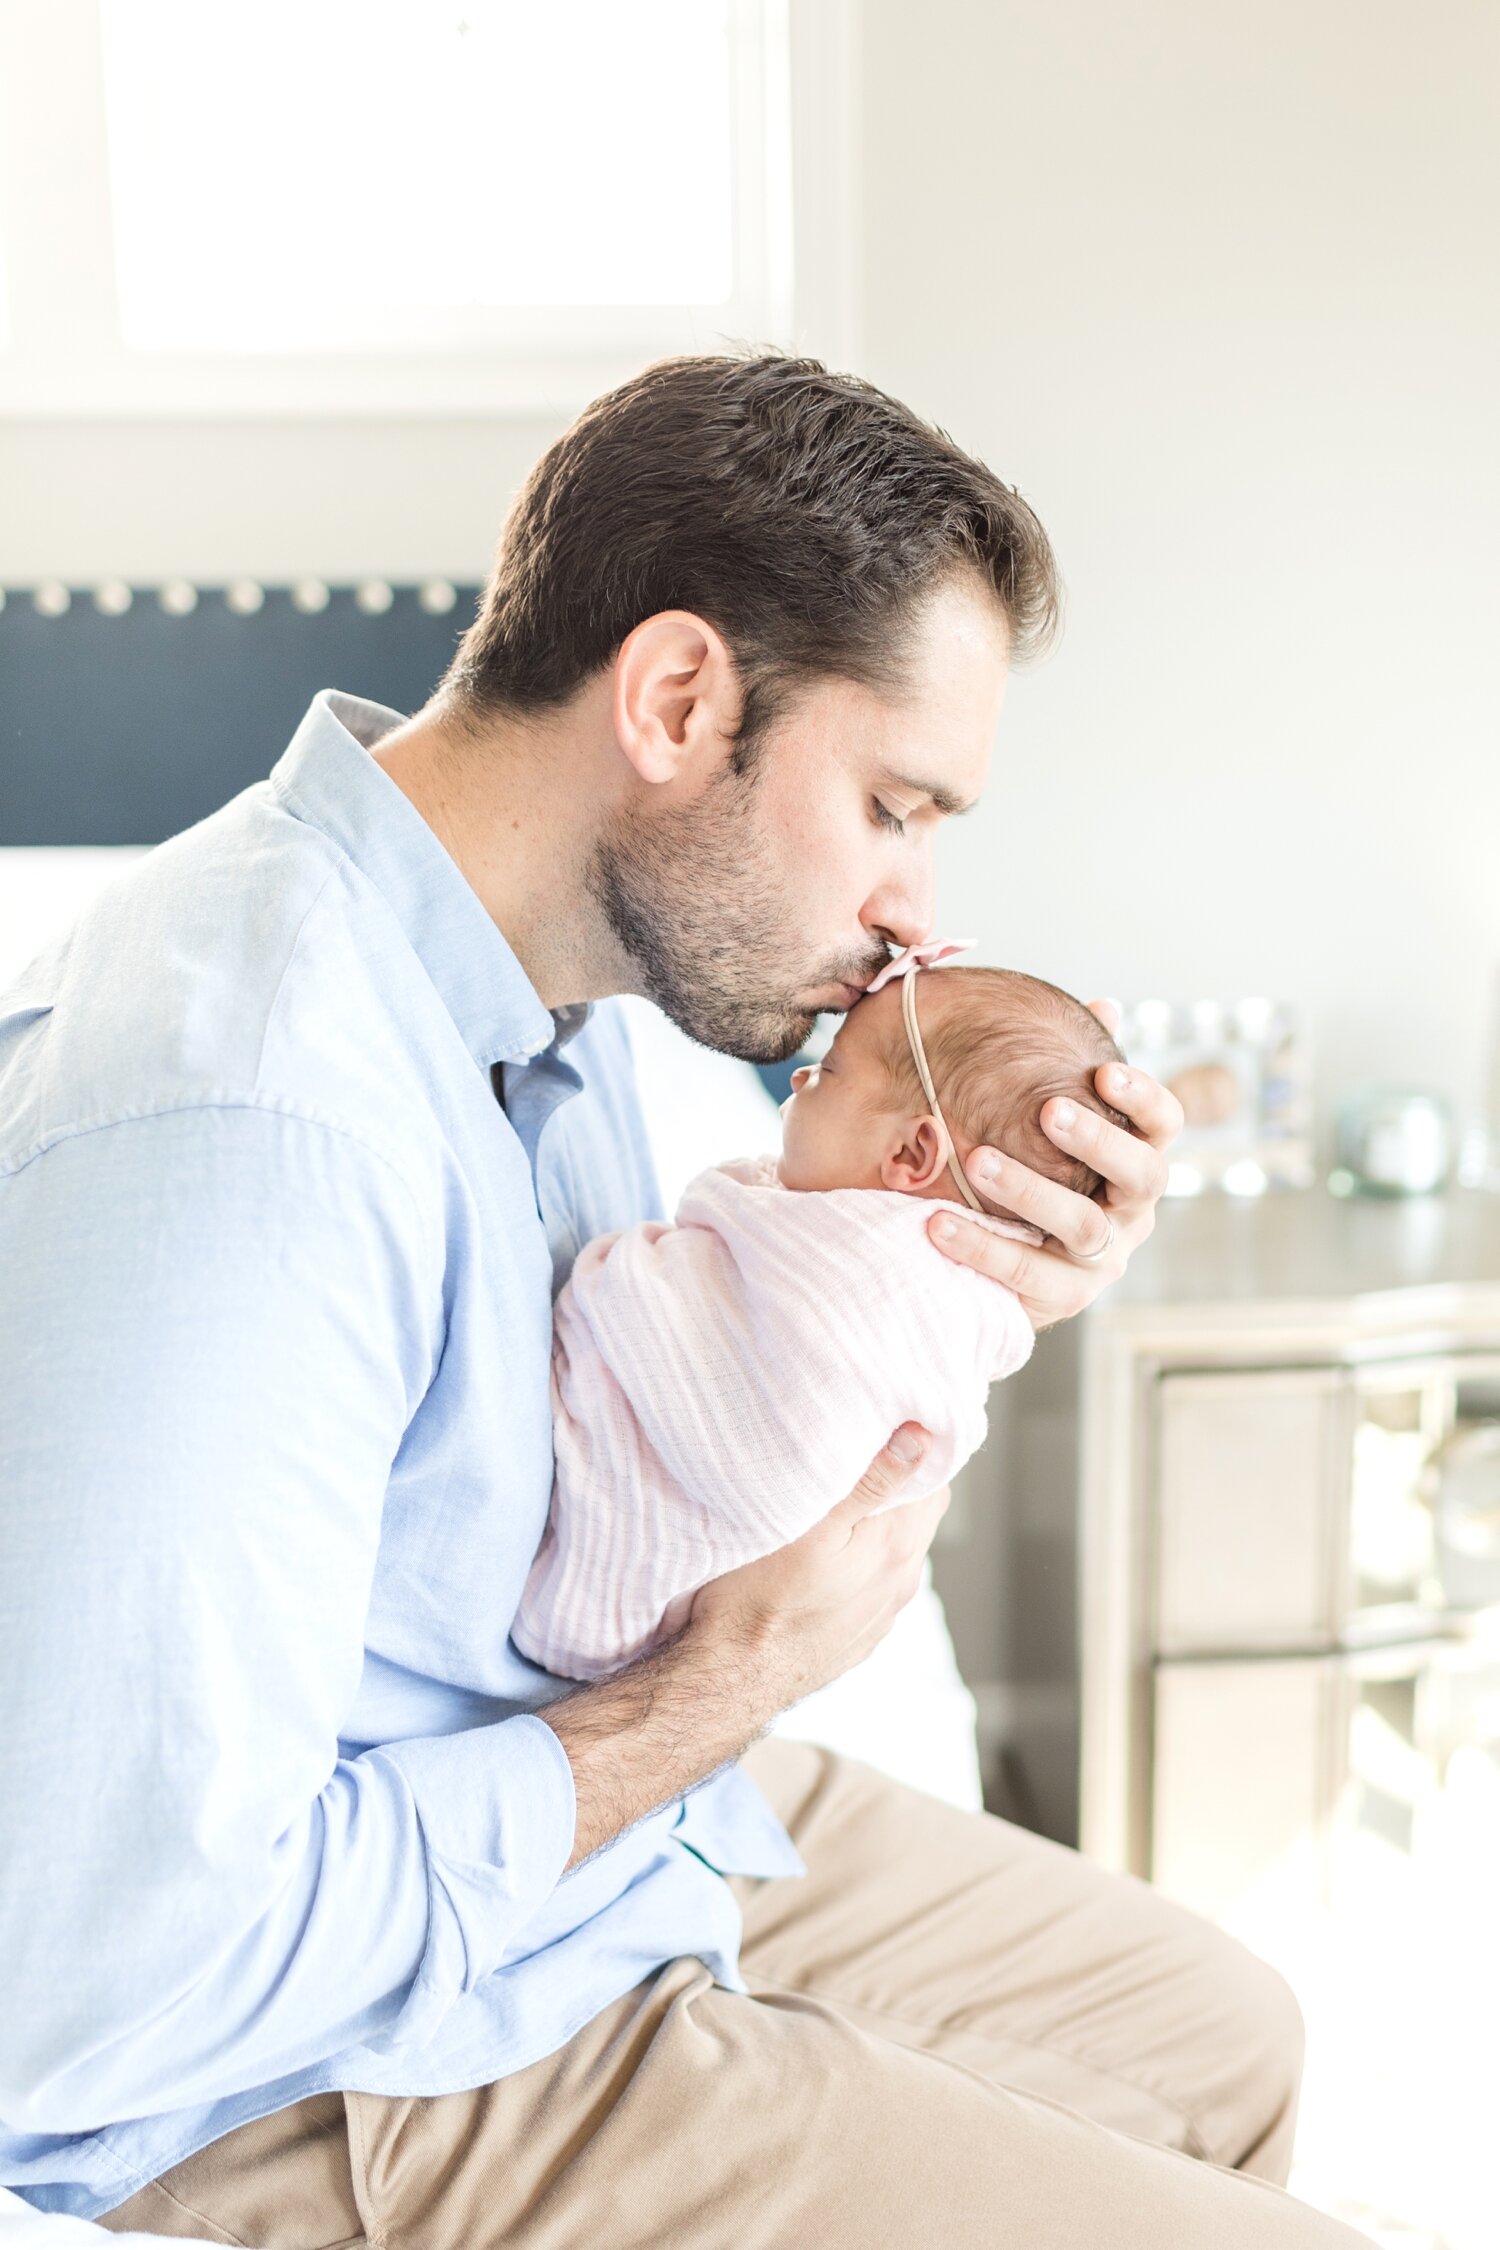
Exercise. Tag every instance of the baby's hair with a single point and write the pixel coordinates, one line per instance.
(999, 1047)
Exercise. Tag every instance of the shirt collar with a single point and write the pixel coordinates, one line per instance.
(327, 777)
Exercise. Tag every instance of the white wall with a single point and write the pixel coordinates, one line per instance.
(147, 501)
(1217, 289)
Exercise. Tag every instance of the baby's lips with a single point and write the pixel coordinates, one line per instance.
(923, 956)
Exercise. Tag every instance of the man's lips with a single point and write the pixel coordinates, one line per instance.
(839, 996)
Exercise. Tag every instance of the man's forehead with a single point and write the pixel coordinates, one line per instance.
(947, 708)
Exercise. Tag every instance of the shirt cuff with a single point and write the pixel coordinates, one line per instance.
(496, 1808)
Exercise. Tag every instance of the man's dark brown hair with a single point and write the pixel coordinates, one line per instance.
(805, 515)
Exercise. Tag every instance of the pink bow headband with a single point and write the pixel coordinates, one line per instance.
(906, 965)
(924, 956)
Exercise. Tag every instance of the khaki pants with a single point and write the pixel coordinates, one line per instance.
(956, 2035)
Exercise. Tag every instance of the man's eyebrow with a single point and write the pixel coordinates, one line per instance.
(945, 799)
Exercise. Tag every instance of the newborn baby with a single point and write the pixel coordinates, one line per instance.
(718, 1384)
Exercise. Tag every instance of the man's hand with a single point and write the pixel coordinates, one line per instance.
(1050, 1285)
(757, 1640)
(815, 1609)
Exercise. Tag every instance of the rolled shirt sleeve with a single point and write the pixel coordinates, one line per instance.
(218, 1322)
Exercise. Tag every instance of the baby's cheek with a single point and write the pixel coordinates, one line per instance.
(794, 1144)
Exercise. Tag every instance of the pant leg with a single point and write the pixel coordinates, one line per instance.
(705, 2120)
(286, 2179)
(956, 2034)
(981, 1942)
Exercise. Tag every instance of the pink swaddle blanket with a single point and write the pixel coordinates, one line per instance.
(720, 1383)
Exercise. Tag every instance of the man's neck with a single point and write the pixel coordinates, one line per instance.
(515, 807)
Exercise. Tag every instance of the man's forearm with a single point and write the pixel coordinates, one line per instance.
(655, 1730)
(759, 1639)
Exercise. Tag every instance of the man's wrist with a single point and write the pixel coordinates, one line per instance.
(663, 1725)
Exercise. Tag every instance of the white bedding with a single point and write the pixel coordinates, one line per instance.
(21, 2228)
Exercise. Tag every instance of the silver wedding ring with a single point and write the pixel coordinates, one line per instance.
(1092, 1257)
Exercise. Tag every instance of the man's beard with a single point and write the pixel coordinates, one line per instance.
(694, 899)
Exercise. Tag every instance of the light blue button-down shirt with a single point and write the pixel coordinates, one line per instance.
(276, 1274)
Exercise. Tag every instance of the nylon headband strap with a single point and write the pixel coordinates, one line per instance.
(919, 1057)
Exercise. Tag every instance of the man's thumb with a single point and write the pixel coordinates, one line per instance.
(892, 1465)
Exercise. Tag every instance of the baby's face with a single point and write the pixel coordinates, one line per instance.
(1001, 1046)
(839, 1122)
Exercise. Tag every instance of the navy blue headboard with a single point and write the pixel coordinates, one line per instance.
(123, 724)
(123, 728)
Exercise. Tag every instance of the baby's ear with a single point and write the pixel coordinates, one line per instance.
(917, 1157)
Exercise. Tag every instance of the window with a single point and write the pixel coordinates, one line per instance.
(406, 205)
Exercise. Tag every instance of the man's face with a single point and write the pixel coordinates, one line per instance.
(768, 898)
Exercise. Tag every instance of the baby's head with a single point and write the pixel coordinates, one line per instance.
(999, 1045)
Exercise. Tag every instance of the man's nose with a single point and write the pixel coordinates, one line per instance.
(902, 917)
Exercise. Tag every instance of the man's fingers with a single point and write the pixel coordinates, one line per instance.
(1088, 1242)
(1135, 1169)
(889, 1470)
(1017, 1264)
(1155, 1114)
(1056, 1210)
(1072, 1223)
(1109, 1013)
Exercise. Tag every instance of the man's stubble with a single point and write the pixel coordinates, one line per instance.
(695, 898)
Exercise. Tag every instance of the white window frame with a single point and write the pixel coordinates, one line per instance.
(62, 355)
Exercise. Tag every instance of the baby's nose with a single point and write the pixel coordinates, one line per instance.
(800, 1077)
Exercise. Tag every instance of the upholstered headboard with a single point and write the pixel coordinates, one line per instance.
(127, 713)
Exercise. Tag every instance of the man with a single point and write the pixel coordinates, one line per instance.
(325, 1917)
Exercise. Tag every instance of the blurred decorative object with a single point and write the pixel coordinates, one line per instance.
(1478, 1163)
(113, 598)
(244, 597)
(51, 599)
(1392, 1142)
(1240, 1070)
(437, 596)
(374, 597)
(310, 595)
(178, 598)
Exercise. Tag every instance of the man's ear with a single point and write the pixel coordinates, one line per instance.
(918, 1160)
(676, 696)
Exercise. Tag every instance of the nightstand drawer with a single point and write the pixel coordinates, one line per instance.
(1244, 1775)
(1252, 1488)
